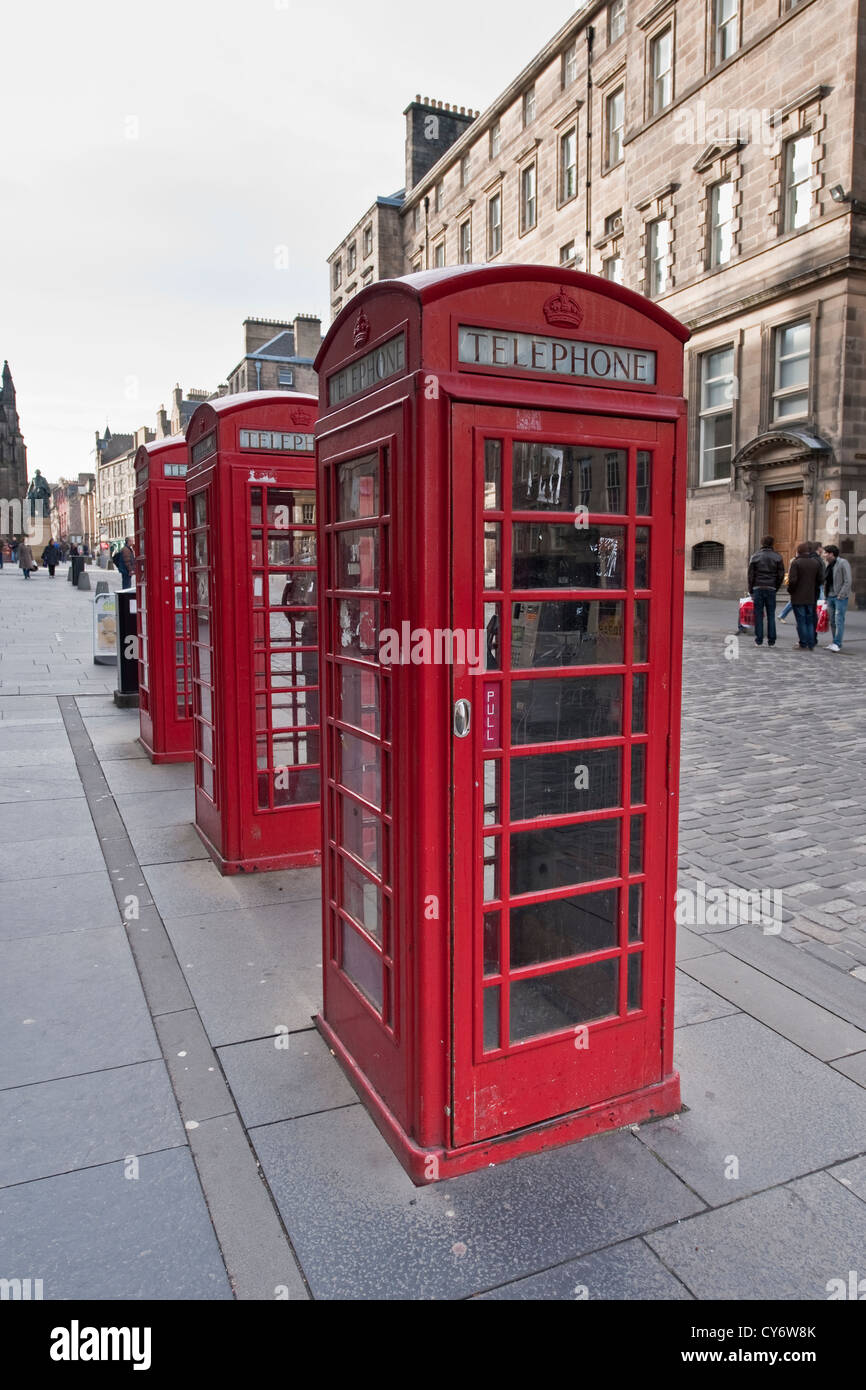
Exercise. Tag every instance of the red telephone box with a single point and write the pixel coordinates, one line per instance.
(251, 503)
(164, 685)
(501, 457)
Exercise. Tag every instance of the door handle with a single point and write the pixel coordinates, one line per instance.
(462, 718)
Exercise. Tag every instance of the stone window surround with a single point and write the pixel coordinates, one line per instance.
(607, 167)
(528, 161)
(801, 117)
(496, 186)
(694, 374)
(811, 312)
(660, 17)
(710, 64)
(561, 128)
(717, 164)
(657, 207)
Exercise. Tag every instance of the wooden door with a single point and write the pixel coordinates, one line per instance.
(786, 521)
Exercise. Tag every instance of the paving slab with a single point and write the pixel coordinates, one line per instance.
(854, 1067)
(754, 1097)
(61, 855)
(156, 808)
(285, 1076)
(34, 820)
(627, 1272)
(815, 1029)
(818, 981)
(77, 902)
(141, 775)
(80, 1121)
(694, 1003)
(251, 971)
(176, 844)
(362, 1230)
(72, 1003)
(195, 1072)
(100, 1234)
(852, 1175)
(789, 1243)
(190, 889)
(690, 944)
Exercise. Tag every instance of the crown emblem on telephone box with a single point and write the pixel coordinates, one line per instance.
(301, 418)
(361, 330)
(562, 309)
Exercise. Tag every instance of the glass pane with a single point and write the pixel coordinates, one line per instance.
(560, 1000)
(295, 628)
(553, 555)
(358, 559)
(362, 834)
(199, 504)
(563, 927)
(491, 791)
(255, 506)
(557, 784)
(294, 668)
(638, 705)
(492, 475)
(635, 964)
(362, 965)
(292, 548)
(359, 698)
(641, 557)
(296, 785)
(291, 507)
(359, 627)
(641, 631)
(294, 708)
(566, 632)
(565, 854)
(635, 851)
(492, 554)
(360, 769)
(358, 488)
(562, 477)
(644, 482)
(638, 774)
(550, 711)
(491, 1018)
(491, 868)
(362, 899)
(492, 633)
(491, 943)
(295, 749)
(292, 588)
(206, 776)
(635, 912)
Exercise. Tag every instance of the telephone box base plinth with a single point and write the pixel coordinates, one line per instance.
(156, 758)
(306, 859)
(431, 1165)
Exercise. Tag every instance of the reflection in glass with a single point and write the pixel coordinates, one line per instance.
(491, 791)
(359, 627)
(492, 554)
(567, 632)
(556, 784)
(358, 559)
(362, 899)
(566, 707)
(641, 557)
(491, 943)
(360, 769)
(292, 548)
(563, 477)
(490, 1001)
(362, 833)
(635, 850)
(635, 912)
(491, 868)
(358, 488)
(563, 927)
(294, 588)
(362, 965)
(638, 704)
(638, 774)
(492, 636)
(635, 964)
(554, 555)
(641, 631)
(564, 854)
(296, 785)
(294, 709)
(294, 749)
(291, 506)
(492, 475)
(549, 1003)
(295, 628)
(644, 482)
(359, 698)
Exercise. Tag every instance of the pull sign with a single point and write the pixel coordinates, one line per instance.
(462, 718)
(492, 730)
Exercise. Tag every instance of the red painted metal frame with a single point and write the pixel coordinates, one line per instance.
(165, 688)
(234, 648)
(405, 1025)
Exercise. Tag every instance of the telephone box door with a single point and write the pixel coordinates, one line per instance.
(562, 555)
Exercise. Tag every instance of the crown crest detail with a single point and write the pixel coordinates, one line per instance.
(562, 309)
(361, 331)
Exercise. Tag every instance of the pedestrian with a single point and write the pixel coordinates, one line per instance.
(837, 591)
(25, 558)
(766, 572)
(124, 560)
(817, 551)
(51, 557)
(804, 577)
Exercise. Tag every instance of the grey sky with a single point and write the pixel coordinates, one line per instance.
(156, 154)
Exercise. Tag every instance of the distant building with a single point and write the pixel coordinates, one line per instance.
(74, 511)
(13, 455)
(278, 356)
(115, 481)
(182, 410)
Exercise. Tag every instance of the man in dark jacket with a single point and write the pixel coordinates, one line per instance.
(766, 572)
(804, 578)
(51, 557)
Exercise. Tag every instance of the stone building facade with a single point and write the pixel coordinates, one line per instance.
(13, 459)
(708, 154)
(278, 356)
(74, 511)
(115, 482)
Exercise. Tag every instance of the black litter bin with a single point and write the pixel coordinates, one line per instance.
(77, 566)
(126, 694)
